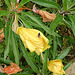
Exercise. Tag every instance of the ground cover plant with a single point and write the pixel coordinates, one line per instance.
(37, 37)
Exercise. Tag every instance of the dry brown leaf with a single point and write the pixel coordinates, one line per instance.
(14, 68)
(45, 15)
(1, 34)
(1, 69)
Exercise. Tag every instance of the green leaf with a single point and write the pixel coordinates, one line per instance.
(71, 4)
(45, 60)
(65, 4)
(59, 41)
(47, 3)
(3, 12)
(54, 47)
(55, 23)
(6, 52)
(40, 24)
(22, 3)
(33, 23)
(67, 66)
(14, 1)
(23, 73)
(5, 61)
(15, 49)
(73, 24)
(7, 3)
(64, 53)
(24, 22)
(72, 12)
(29, 61)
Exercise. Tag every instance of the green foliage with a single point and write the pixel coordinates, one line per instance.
(3, 13)
(60, 32)
(67, 66)
(57, 20)
(64, 53)
(73, 24)
(47, 3)
(22, 3)
(29, 61)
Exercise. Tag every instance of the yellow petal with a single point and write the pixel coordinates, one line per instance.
(57, 74)
(33, 39)
(56, 66)
(30, 46)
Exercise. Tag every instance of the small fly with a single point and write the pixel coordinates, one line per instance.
(38, 34)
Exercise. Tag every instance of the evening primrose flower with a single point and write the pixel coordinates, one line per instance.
(33, 39)
(56, 67)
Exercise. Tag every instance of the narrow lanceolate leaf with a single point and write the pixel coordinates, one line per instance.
(6, 52)
(67, 66)
(55, 23)
(64, 53)
(3, 13)
(45, 60)
(5, 61)
(40, 24)
(7, 3)
(29, 61)
(15, 49)
(8, 28)
(54, 47)
(23, 73)
(59, 41)
(65, 4)
(22, 3)
(71, 4)
(24, 22)
(73, 24)
(47, 3)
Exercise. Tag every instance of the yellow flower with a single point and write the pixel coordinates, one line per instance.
(33, 39)
(57, 74)
(56, 67)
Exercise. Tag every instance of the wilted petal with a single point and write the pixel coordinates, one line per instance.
(15, 24)
(1, 34)
(34, 9)
(45, 15)
(56, 66)
(20, 9)
(1, 30)
(14, 68)
(32, 41)
(1, 69)
(17, 1)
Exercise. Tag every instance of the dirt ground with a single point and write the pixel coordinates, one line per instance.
(71, 69)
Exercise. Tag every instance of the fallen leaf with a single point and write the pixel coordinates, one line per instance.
(14, 68)
(1, 69)
(1, 35)
(45, 15)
